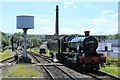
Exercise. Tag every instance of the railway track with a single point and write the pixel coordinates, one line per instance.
(10, 61)
(99, 75)
(53, 70)
(38, 59)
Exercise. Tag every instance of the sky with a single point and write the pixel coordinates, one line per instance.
(100, 18)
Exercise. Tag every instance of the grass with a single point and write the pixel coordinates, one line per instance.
(112, 58)
(47, 53)
(22, 70)
(5, 54)
(37, 51)
(33, 50)
(113, 68)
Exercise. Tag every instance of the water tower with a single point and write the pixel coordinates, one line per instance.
(25, 22)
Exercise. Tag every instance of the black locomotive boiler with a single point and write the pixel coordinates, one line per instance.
(80, 52)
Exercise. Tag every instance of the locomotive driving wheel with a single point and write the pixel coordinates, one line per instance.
(96, 67)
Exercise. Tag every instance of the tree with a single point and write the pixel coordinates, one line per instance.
(34, 41)
(18, 38)
(117, 36)
(5, 40)
(109, 37)
(114, 36)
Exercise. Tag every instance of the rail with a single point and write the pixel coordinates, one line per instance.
(46, 67)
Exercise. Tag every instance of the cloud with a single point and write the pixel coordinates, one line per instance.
(1, 28)
(64, 30)
(115, 15)
(99, 21)
(65, 6)
(89, 29)
(88, 5)
(69, 4)
(114, 28)
(106, 12)
(74, 6)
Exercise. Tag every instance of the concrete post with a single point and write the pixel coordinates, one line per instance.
(25, 43)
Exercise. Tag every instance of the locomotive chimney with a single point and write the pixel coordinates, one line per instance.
(87, 33)
(57, 21)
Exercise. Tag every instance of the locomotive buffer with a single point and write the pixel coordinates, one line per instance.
(25, 22)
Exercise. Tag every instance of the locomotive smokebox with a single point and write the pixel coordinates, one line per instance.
(87, 33)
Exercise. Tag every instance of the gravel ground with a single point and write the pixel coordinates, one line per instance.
(74, 73)
(57, 73)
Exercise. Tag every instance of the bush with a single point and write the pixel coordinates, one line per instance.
(108, 62)
(118, 64)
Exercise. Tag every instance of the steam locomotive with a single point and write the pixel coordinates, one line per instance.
(79, 52)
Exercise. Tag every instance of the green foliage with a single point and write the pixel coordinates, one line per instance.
(22, 70)
(115, 36)
(118, 64)
(34, 41)
(4, 39)
(5, 54)
(18, 38)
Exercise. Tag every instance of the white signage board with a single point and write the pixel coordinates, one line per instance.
(25, 22)
(102, 45)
